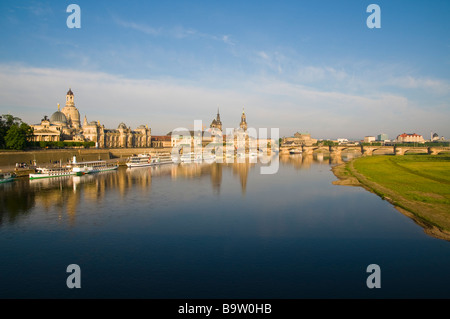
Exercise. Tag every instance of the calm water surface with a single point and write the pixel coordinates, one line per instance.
(212, 231)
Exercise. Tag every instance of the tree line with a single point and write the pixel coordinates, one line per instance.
(14, 133)
(17, 135)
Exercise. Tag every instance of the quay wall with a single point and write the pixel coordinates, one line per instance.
(44, 157)
(8, 159)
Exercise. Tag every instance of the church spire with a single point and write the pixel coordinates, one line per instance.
(243, 124)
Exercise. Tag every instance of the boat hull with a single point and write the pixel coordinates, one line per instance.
(44, 175)
(6, 180)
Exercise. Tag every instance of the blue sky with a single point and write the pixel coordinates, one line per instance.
(297, 65)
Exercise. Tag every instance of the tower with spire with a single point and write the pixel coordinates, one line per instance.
(243, 124)
(217, 123)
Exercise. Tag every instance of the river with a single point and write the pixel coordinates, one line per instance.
(213, 231)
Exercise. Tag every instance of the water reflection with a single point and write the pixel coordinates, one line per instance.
(16, 200)
(304, 161)
(63, 195)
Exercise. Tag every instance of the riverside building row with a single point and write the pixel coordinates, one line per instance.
(65, 125)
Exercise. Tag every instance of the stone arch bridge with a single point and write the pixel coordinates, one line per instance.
(365, 150)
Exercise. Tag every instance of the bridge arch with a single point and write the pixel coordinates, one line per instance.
(383, 150)
(352, 149)
(416, 150)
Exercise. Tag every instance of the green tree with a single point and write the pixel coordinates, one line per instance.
(18, 136)
(329, 143)
(6, 121)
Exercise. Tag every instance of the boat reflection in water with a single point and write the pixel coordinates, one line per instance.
(62, 195)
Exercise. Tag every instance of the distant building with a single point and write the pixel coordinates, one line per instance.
(163, 141)
(243, 124)
(65, 125)
(298, 139)
(410, 138)
(342, 140)
(71, 112)
(216, 123)
(435, 137)
(49, 131)
(211, 135)
(369, 139)
(382, 137)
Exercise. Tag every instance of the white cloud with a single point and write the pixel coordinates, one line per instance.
(410, 82)
(139, 27)
(165, 104)
(227, 39)
(263, 55)
(177, 32)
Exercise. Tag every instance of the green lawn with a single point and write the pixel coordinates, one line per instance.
(418, 183)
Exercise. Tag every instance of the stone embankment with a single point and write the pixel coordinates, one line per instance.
(8, 159)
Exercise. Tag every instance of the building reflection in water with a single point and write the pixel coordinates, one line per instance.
(214, 171)
(242, 170)
(62, 196)
(304, 161)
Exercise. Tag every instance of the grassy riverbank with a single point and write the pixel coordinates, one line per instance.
(418, 185)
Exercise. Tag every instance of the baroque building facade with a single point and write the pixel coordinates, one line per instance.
(65, 125)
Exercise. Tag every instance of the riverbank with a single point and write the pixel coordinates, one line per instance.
(8, 159)
(417, 185)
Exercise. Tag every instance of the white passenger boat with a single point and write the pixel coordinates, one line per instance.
(82, 168)
(229, 154)
(6, 177)
(51, 172)
(142, 160)
(209, 158)
(188, 157)
(295, 151)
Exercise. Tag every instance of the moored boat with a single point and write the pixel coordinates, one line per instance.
(6, 177)
(82, 168)
(295, 151)
(142, 160)
(51, 172)
(209, 158)
(187, 158)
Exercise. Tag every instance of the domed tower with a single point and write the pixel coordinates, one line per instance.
(71, 112)
(243, 124)
(58, 118)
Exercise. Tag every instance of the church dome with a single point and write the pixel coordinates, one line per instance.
(58, 118)
(72, 114)
(122, 126)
